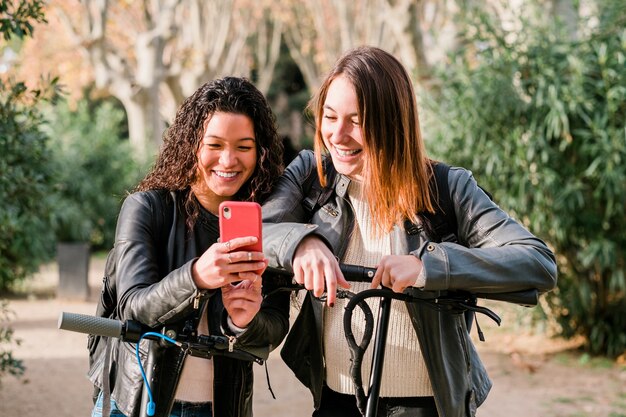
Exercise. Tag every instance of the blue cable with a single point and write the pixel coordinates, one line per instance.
(151, 403)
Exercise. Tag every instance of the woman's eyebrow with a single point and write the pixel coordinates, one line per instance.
(326, 106)
(221, 138)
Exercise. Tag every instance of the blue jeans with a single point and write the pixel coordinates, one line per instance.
(180, 409)
(97, 408)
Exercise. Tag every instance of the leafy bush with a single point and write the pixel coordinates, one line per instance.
(8, 363)
(25, 181)
(94, 168)
(24, 234)
(540, 118)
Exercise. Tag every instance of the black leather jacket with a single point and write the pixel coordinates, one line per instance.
(155, 287)
(497, 255)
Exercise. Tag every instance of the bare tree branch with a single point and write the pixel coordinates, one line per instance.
(152, 54)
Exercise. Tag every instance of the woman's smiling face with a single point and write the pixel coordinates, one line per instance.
(226, 158)
(341, 128)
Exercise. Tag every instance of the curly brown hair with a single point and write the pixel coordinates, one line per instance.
(176, 167)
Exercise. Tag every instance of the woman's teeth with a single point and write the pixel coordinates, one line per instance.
(225, 174)
(347, 152)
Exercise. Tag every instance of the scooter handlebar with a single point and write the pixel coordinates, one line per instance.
(131, 331)
(527, 298)
(83, 323)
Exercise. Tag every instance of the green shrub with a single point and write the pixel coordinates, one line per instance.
(25, 181)
(8, 363)
(24, 234)
(540, 119)
(94, 168)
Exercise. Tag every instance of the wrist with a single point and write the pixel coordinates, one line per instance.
(420, 282)
(195, 275)
(229, 327)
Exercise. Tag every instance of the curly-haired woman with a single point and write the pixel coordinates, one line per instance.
(171, 271)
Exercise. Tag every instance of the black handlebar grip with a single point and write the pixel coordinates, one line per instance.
(350, 272)
(83, 323)
(357, 272)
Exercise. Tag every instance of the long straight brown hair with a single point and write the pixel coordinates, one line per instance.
(396, 170)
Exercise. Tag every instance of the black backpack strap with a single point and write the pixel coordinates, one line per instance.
(327, 192)
(312, 189)
(443, 222)
(172, 218)
(316, 195)
(441, 225)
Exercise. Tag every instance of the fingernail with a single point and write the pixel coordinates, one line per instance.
(332, 304)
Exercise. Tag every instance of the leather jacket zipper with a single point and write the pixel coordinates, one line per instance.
(197, 298)
(231, 343)
(331, 211)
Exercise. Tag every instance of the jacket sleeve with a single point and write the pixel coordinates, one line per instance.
(501, 255)
(285, 219)
(142, 293)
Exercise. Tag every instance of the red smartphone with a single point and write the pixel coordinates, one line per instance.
(239, 219)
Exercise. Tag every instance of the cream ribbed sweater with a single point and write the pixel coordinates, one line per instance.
(196, 380)
(404, 370)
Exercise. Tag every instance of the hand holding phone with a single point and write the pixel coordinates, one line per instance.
(239, 255)
(241, 219)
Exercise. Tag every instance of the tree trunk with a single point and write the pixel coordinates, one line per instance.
(145, 125)
(73, 263)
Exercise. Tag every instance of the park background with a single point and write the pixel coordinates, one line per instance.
(530, 95)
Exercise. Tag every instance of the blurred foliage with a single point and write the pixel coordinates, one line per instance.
(289, 95)
(94, 168)
(25, 181)
(540, 119)
(17, 17)
(25, 170)
(288, 80)
(24, 174)
(8, 363)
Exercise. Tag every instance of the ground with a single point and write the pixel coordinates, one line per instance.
(533, 375)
